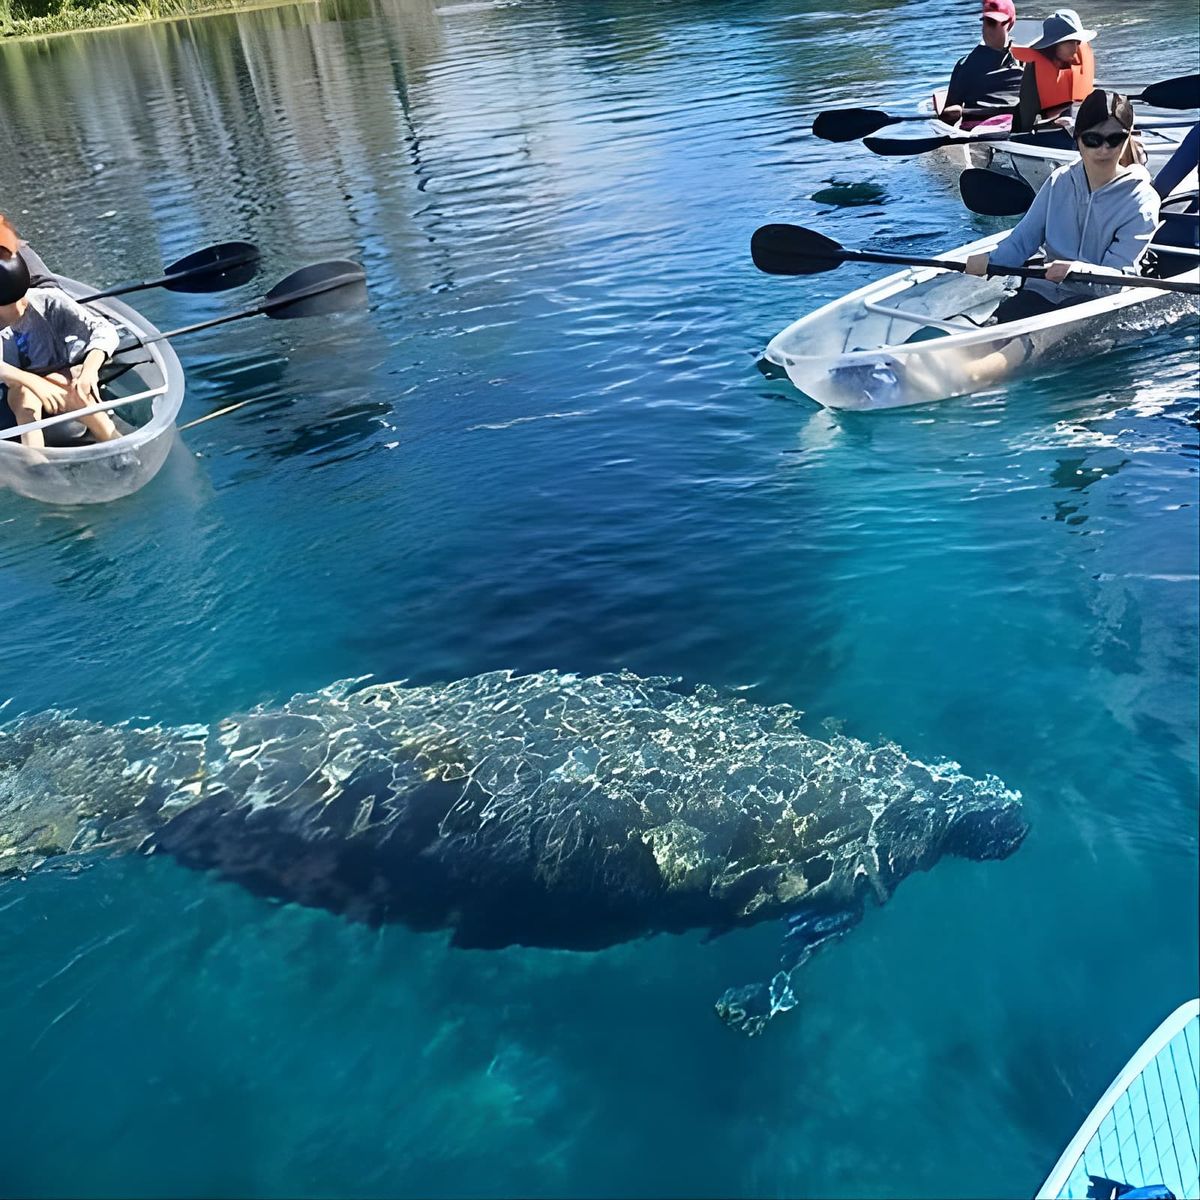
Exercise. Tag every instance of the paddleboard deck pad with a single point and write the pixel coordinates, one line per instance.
(1142, 1139)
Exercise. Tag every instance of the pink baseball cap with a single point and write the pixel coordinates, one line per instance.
(999, 10)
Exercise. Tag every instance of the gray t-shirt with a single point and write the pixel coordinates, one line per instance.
(54, 330)
(38, 271)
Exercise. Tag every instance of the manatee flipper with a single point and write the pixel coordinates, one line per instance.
(749, 1008)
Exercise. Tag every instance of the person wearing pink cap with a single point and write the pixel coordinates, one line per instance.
(989, 78)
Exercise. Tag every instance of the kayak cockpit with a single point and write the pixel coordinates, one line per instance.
(144, 391)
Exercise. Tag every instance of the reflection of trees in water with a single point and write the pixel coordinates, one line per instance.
(303, 121)
(294, 404)
(296, 108)
(291, 414)
(212, 124)
(329, 433)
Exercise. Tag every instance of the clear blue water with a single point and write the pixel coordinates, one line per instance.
(546, 445)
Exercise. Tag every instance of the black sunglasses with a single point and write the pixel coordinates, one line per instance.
(1093, 141)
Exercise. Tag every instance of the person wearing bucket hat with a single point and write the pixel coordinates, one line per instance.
(989, 77)
(39, 327)
(1060, 69)
(1095, 215)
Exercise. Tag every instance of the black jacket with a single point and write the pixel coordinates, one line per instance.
(986, 78)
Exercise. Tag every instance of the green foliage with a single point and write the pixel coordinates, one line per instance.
(25, 18)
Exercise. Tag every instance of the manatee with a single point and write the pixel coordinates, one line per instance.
(541, 810)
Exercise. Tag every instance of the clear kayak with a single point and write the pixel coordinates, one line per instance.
(920, 335)
(1143, 1136)
(1035, 159)
(73, 469)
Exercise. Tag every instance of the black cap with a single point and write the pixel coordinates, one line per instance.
(1101, 105)
(14, 279)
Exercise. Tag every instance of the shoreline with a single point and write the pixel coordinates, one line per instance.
(216, 10)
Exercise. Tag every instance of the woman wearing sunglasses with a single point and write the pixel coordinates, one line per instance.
(1096, 214)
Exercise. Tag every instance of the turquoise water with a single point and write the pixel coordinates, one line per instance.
(546, 445)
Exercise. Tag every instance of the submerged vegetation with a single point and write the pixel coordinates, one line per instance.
(29, 18)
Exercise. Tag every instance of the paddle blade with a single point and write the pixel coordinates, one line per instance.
(1182, 92)
(902, 147)
(994, 193)
(849, 124)
(227, 265)
(317, 291)
(792, 250)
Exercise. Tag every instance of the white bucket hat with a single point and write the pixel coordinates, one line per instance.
(1062, 26)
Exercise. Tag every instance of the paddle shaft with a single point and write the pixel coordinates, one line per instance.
(286, 295)
(257, 310)
(219, 260)
(1046, 136)
(134, 343)
(905, 147)
(125, 289)
(219, 413)
(970, 114)
(948, 264)
(980, 114)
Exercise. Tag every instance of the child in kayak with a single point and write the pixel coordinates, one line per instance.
(40, 328)
(38, 270)
(989, 78)
(1096, 215)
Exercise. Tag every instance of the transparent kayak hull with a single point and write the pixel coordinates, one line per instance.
(96, 472)
(1036, 163)
(1145, 1130)
(914, 338)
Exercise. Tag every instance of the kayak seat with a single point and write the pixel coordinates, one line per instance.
(69, 433)
(925, 334)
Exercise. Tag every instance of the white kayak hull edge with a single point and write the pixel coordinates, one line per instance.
(852, 353)
(97, 472)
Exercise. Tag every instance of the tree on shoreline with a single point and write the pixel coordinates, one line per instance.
(24, 18)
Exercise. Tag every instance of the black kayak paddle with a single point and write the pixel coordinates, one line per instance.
(994, 193)
(1182, 92)
(1054, 138)
(793, 250)
(215, 269)
(315, 291)
(851, 124)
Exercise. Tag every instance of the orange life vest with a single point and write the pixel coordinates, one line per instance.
(1058, 86)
